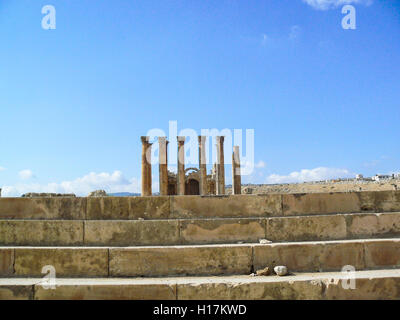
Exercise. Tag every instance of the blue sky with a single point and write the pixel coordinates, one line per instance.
(74, 101)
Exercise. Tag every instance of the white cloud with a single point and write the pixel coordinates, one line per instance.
(25, 174)
(307, 175)
(281, 40)
(376, 162)
(332, 4)
(173, 169)
(114, 182)
(2, 168)
(260, 164)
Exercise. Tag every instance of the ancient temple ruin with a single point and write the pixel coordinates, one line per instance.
(189, 181)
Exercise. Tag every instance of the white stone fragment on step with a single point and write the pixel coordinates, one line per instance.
(281, 271)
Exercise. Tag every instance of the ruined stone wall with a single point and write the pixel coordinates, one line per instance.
(175, 207)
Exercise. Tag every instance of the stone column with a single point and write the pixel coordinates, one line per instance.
(236, 176)
(220, 183)
(181, 166)
(203, 165)
(146, 167)
(163, 165)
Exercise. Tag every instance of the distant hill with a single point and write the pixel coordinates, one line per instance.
(123, 194)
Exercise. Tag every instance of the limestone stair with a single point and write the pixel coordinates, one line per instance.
(130, 248)
(376, 284)
(197, 231)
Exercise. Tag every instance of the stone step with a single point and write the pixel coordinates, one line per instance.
(377, 284)
(197, 231)
(188, 207)
(199, 260)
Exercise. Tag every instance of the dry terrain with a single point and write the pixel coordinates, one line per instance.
(318, 187)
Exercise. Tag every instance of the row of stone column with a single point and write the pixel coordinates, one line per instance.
(163, 167)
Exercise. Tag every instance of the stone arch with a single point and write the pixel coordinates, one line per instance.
(191, 169)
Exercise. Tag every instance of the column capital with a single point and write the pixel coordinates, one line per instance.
(202, 139)
(162, 140)
(145, 139)
(181, 139)
(220, 139)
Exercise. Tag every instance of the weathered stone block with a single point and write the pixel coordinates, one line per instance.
(373, 225)
(383, 253)
(320, 203)
(263, 289)
(6, 262)
(389, 224)
(361, 225)
(222, 230)
(226, 206)
(366, 289)
(212, 260)
(382, 201)
(336, 255)
(307, 228)
(16, 292)
(40, 232)
(108, 290)
(130, 233)
(68, 262)
(131, 208)
(42, 208)
(295, 256)
(310, 256)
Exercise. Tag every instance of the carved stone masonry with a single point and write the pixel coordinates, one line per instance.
(236, 176)
(163, 165)
(181, 166)
(146, 167)
(220, 183)
(203, 165)
(190, 181)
